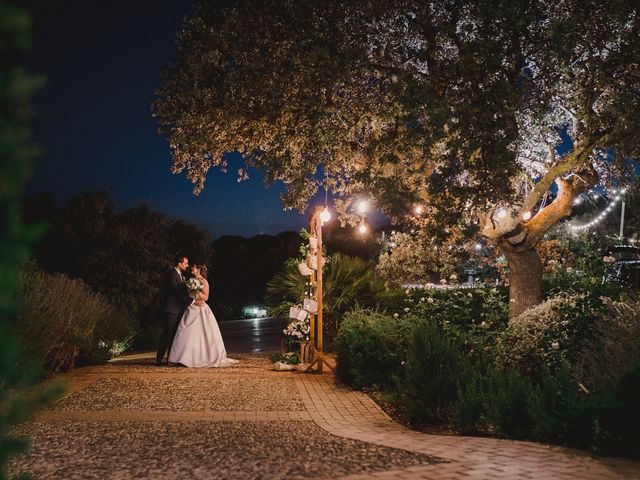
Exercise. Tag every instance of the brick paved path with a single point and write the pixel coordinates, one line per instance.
(354, 415)
(134, 420)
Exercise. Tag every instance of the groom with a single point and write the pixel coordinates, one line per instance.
(176, 301)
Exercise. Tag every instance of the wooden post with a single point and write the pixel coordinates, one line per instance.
(319, 290)
(316, 279)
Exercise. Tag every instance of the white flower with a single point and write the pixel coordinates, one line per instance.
(430, 299)
(422, 299)
(484, 324)
(555, 345)
(395, 315)
(470, 295)
(406, 310)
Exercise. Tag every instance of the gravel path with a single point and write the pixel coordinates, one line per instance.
(226, 393)
(201, 450)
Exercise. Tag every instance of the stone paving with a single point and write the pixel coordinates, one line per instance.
(134, 420)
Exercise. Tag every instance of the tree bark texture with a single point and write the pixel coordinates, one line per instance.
(525, 280)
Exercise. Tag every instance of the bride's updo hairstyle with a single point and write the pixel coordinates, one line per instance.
(203, 270)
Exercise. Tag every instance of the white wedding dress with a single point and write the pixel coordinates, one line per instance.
(198, 341)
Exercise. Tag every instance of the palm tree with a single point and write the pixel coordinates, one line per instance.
(347, 282)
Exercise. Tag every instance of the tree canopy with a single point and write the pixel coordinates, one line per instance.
(498, 112)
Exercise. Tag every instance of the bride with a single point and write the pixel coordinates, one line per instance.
(198, 342)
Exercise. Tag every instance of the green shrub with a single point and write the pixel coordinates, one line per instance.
(63, 320)
(615, 416)
(371, 348)
(614, 345)
(468, 412)
(20, 394)
(473, 316)
(436, 366)
(347, 282)
(549, 334)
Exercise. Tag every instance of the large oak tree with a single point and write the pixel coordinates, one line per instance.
(495, 115)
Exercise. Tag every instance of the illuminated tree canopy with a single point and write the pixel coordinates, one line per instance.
(497, 112)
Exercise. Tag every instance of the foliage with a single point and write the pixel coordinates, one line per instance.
(371, 349)
(290, 358)
(617, 420)
(347, 281)
(435, 364)
(405, 260)
(417, 101)
(551, 409)
(613, 345)
(549, 334)
(20, 395)
(63, 321)
(342, 75)
(297, 330)
(436, 380)
(578, 259)
(124, 256)
(472, 316)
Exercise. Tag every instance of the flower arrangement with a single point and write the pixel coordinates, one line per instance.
(298, 330)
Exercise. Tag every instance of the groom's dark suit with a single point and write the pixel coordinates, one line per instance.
(176, 301)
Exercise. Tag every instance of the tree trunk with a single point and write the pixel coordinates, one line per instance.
(525, 280)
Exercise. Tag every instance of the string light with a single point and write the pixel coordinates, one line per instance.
(325, 215)
(602, 215)
(363, 228)
(478, 246)
(418, 209)
(526, 216)
(362, 207)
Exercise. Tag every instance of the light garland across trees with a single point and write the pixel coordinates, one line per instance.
(595, 221)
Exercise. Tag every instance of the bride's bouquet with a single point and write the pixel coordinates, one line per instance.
(194, 286)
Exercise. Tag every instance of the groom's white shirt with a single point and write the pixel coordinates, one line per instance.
(179, 273)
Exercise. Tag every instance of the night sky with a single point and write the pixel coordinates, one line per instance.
(102, 61)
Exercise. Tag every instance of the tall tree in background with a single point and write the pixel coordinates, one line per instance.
(495, 115)
(124, 255)
(16, 154)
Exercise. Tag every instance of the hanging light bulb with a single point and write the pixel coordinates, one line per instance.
(363, 228)
(325, 215)
(362, 207)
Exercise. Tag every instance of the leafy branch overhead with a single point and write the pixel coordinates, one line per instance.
(450, 101)
(500, 112)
